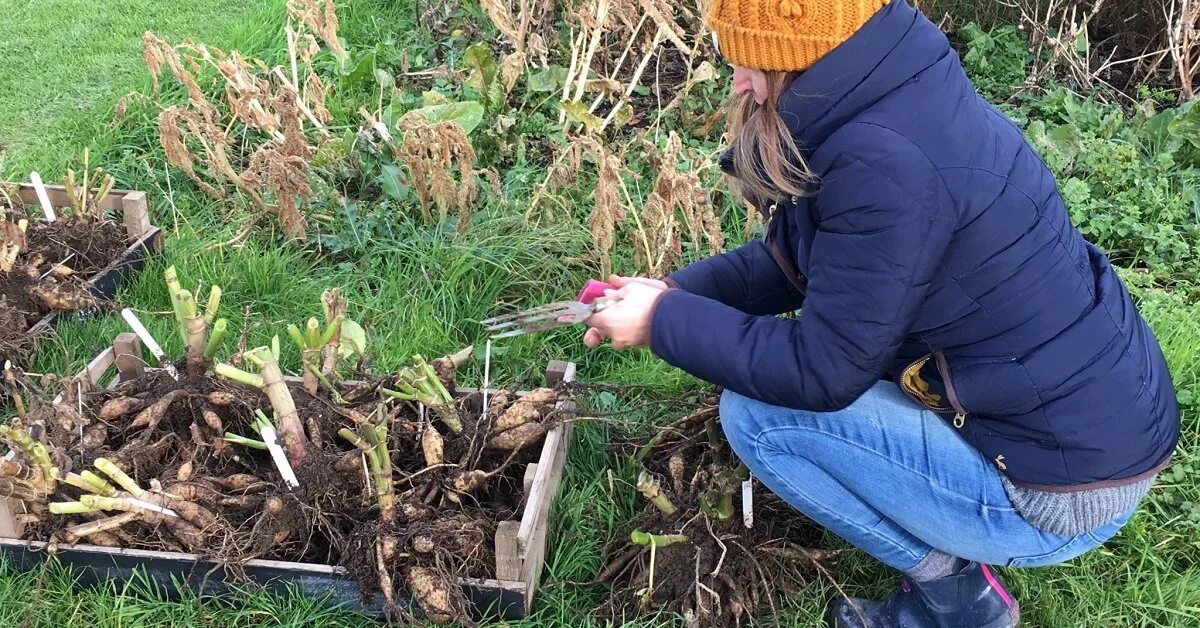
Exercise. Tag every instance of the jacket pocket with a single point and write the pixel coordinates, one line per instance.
(918, 388)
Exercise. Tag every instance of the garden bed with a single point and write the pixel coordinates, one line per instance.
(711, 543)
(71, 264)
(320, 538)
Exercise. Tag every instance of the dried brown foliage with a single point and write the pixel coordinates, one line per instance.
(439, 160)
(523, 26)
(253, 143)
(319, 17)
(612, 44)
(678, 203)
(608, 213)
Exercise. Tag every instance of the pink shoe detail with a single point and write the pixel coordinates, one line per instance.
(998, 588)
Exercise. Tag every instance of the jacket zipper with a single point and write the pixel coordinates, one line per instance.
(943, 368)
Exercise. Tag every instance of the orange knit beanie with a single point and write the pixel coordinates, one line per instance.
(788, 35)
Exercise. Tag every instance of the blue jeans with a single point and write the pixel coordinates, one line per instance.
(893, 479)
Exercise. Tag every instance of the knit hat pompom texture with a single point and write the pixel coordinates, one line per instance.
(787, 35)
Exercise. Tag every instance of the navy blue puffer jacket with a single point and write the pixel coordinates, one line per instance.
(936, 249)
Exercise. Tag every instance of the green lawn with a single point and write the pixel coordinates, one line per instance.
(64, 62)
(421, 289)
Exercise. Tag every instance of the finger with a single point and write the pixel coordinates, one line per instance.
(592, 338)
(618, 281)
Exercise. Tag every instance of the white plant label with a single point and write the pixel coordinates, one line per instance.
(43, 198)
(748, 502)
(155, 350)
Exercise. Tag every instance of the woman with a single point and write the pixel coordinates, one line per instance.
(968, 381)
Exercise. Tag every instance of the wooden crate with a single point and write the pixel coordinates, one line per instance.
(145, 239)
(520, 544)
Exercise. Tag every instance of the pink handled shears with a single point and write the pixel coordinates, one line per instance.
(553, 315)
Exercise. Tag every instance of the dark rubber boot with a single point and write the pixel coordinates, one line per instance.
(971, 598)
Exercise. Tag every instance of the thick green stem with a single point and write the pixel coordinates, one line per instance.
(214, 304)
(83, 484)
(99, 486)
(356, 440)
(173, 289)
(109, 468)
(649, 487)
(36, 453)
(290, 428)
(70, 508)
(645, 539)
(238, 375)
(219, 329)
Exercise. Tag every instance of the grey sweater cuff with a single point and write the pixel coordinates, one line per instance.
(1069, 514)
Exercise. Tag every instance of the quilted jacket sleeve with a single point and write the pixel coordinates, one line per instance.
(746, 278)
(884, 221)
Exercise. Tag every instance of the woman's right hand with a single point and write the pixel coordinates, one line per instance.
(618, 281)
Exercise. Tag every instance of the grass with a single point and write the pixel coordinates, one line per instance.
(61, 60)
(421, 289)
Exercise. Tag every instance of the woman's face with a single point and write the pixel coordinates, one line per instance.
(750, 80)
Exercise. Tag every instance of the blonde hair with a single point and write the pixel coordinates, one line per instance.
(768, 162)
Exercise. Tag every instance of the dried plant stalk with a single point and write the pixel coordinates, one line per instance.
(432, 154)
(266, 165)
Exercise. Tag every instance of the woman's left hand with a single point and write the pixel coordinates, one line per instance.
(627, 322)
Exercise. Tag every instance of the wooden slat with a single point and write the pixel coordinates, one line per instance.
(527, 481)
(95, 369)
(9, 526)
(508, 551)
(58, 196)
(135, 214)
(535, 520)
(127, 349)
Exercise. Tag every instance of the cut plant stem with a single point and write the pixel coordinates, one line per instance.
(291, 429)
(83, 484)
(420, 383)
(245, 442)
(109, 468)
(646, 539)
(70, 508)
(215, 338)
(100, 525)
(235, 374)
(125, 504)
(649, 487)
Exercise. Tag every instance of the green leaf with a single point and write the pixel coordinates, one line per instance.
(578, 112)
(467, 114)
(431, 98)
(1186, 126)
(547, 81)
(354, 339)
(482, 62)
(385, 79)
(392, 181)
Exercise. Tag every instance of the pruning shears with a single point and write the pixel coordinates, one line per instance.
(591, 300)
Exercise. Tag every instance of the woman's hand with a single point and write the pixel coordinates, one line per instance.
(627, 322)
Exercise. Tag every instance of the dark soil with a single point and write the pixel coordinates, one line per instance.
(33, 289)
(332, 518)
(724, 573)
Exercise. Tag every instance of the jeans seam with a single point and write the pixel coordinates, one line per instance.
(759, 445)
(760, 438)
